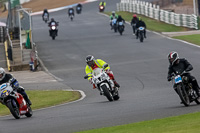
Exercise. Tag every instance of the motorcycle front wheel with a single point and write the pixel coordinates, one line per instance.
(183, 95)
(107, 93)
(13, 110)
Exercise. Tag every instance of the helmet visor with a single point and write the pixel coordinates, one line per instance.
(1, 75)
(90, 63)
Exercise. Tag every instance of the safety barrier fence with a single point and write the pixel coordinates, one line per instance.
(154, 11)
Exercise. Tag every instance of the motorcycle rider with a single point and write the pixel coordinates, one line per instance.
(5, 78)
(134, 22)
(120, 19)
(112, 16)
(181, 65)
(50, 23)
(98, 63)
(79, 6)
(102, 3)
(71, 11)
(45, 12)
(140, 23)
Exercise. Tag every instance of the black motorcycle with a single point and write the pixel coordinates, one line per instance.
(53, 30)
(184, 89)
(141, 34)
(78, 10)
(120, 27)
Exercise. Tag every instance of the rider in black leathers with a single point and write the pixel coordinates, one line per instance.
(120, 19)
(71, 11)
(45, 12)
(52, 20)
(140, 23)
(181, 65)
(80, 6)
(5, 78)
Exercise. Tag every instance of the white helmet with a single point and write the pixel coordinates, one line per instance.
(2, 71)
(113, 12)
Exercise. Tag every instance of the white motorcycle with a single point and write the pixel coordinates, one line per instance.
(14, 101)
(104, 84)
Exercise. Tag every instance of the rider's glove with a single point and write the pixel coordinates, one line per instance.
(90, 80)
(169, 78)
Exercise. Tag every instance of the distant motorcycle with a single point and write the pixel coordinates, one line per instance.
(101, 8)
(45, 17)
(141, 34)
(78, 10)
(53, 30)
(120, 27)
(104, 84)
(14, 101)
(114, 24)
(184, 89)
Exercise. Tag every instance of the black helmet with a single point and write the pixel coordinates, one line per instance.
(45, 10)
(173, 57)
(90, 60)
(52, 19)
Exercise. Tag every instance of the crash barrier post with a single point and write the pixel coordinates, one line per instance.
(154, 11)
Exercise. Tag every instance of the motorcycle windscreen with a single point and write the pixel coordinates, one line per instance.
(97, 71)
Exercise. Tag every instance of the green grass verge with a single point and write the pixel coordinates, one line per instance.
(42, 99)
(152, 24)
(190, 38)
(188, 123)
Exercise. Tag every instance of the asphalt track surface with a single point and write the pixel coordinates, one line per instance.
(140, 68)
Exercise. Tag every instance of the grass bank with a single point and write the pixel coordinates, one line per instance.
(152, 24)
(188, 123)
(190, 38)
(42, 99)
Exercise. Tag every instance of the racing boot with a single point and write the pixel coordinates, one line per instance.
(116, 84)
(94, 86)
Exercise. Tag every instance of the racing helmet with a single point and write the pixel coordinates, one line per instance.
(2, 73)
(134, 15)
(52, 19)
(90, 60)
(173, 57)
(113, 13)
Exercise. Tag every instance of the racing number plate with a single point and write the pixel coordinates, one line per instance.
(178, 79)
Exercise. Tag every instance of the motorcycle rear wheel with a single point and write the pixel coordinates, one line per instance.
(30, 112)
(13, 111)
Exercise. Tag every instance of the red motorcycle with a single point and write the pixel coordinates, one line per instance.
(14, 101)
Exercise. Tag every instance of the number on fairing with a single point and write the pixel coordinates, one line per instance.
(120, 23)
(178, 79)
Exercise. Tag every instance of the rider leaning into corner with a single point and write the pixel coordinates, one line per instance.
(5, 78)
(181, 65)
(112, 16)
(45, 12)
(98, 63)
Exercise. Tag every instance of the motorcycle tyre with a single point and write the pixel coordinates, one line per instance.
(30, 112)
(14, 112)
(181, 92)
(107, 93)
(116, 97)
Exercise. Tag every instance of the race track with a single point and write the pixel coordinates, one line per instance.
(140, 68)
